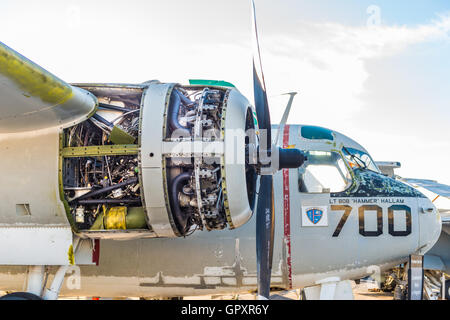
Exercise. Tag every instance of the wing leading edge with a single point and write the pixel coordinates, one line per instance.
(433, 186)
(32, 98)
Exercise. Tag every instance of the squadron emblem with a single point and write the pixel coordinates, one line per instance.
(314, 215)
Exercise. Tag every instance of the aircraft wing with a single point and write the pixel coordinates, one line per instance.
(433, 186)
(32, 98)
(446, 224)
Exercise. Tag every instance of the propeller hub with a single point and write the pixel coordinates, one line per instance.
(268, 162)
(290, 158)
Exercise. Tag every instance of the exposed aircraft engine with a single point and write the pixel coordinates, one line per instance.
(160, 160)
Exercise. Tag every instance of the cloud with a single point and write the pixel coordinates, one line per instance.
(330, 65)
(327, 62)
(358, 41)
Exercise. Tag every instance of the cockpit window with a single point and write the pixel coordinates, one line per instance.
(359, 159)
(316, 133)
(324, 172)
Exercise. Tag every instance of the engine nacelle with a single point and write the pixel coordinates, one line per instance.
(160, 160)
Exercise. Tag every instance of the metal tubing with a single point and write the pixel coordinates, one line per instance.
(112, 107)
(35, 279)
(443, 286)
(52, 293)
(109, 201)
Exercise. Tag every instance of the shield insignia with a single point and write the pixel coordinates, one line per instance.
(314, 215)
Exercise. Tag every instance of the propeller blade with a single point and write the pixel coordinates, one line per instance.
(264, 235)
(259, 86)
(257, 63)
(264, 210)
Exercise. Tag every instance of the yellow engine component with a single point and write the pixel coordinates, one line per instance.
(115, 218)
(120, 218)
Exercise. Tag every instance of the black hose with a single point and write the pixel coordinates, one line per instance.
(109, 201)
(174, 110)
(175, 188)
(112, 107)
(105, 190)
(185, 100)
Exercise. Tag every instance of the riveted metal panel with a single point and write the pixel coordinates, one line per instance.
(38, 245)
(30, 179)
(123, 149)
(154, 106)
(34, 99)
(234, 166)
(154, 193)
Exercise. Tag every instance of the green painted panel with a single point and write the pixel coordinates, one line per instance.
(316, 133)
(119, 136)
(124, 149)
(202, 82)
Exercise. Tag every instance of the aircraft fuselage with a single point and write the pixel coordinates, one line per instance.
(373, 224)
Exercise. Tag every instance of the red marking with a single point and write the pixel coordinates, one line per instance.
(96, 252)
(287, 210)
(95, 298)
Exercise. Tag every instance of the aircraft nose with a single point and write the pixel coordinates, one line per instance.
(430, 225)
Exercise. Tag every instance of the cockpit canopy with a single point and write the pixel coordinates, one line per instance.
(330, 171)
(324, 172)
(332, 158)
(359, 159)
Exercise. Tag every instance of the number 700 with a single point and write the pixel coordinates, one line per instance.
(361, 215)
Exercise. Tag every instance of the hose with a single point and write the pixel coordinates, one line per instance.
(186, 101)
(112, 107)
(175, 188)
(106, 189)
(174, 110)
(109, 201)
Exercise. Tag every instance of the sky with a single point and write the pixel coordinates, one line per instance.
(376, 71)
